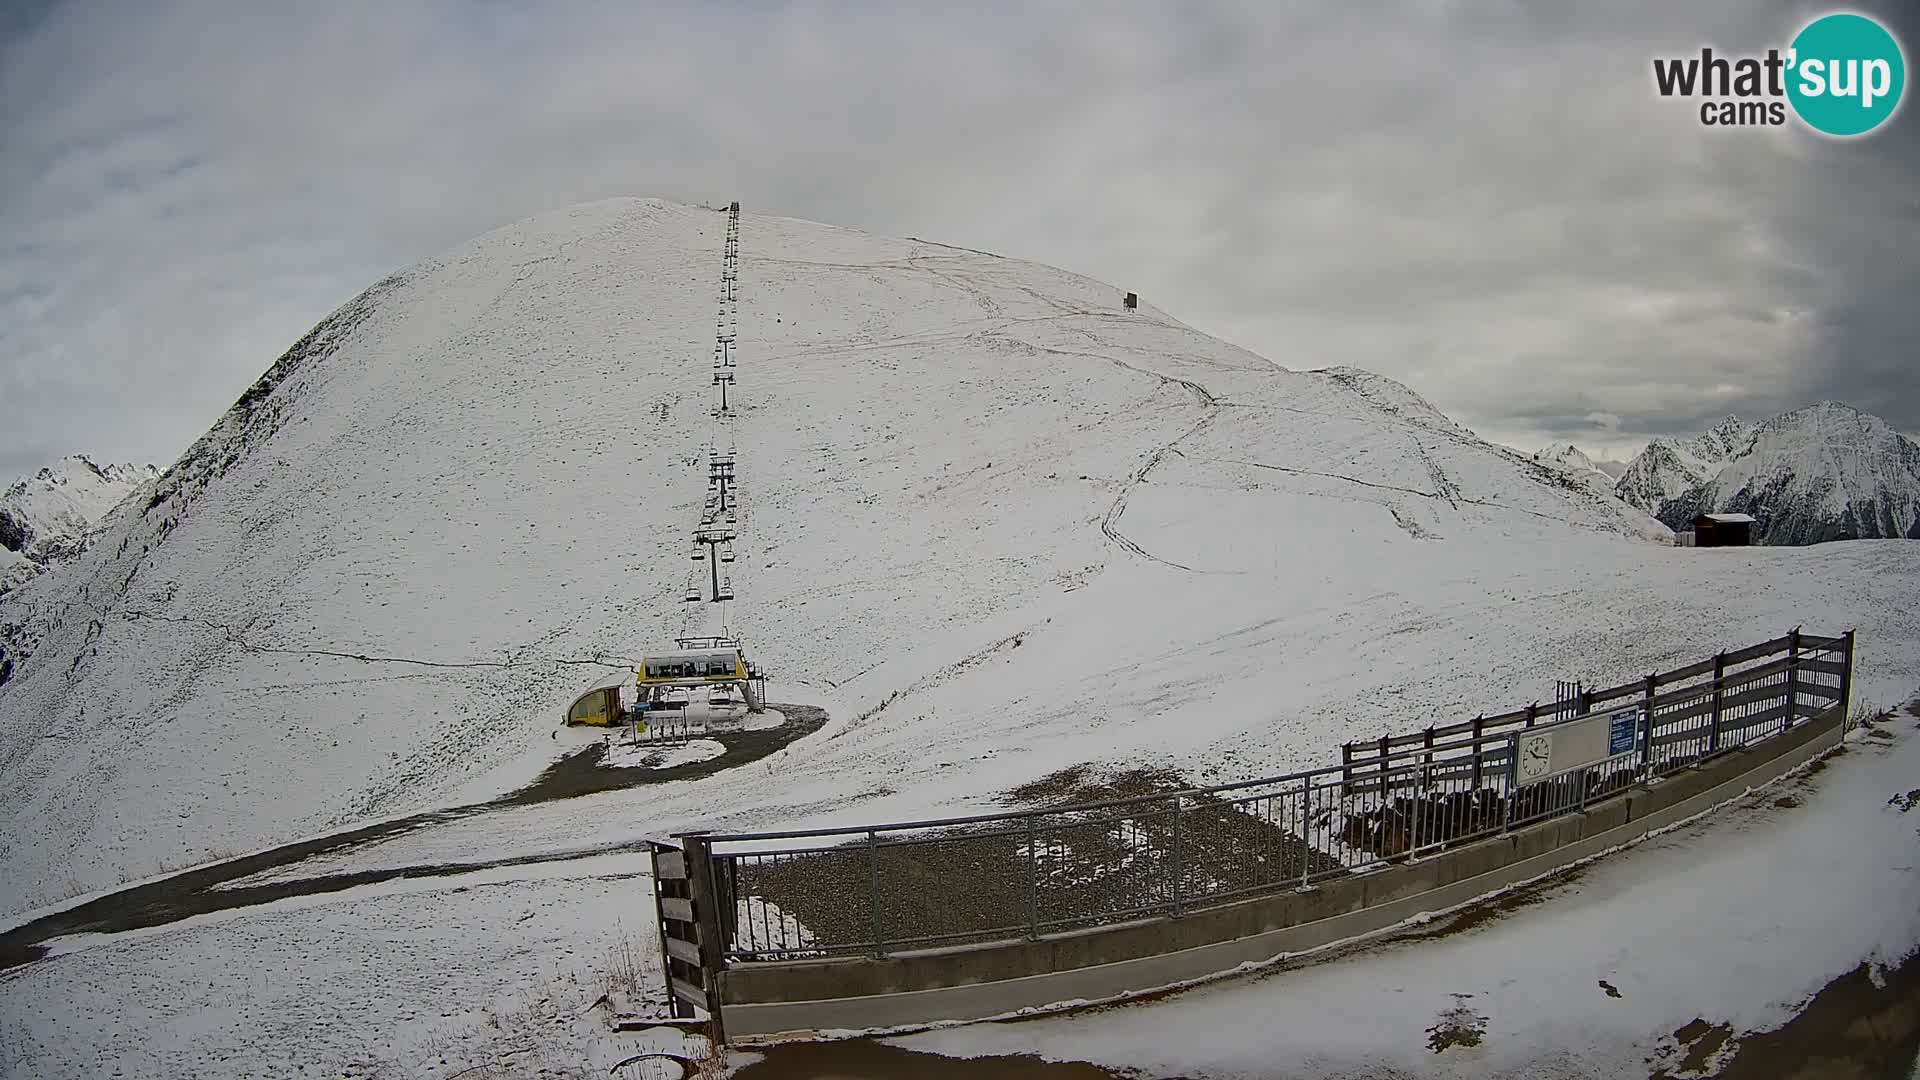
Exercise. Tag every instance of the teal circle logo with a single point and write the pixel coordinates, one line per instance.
(1846, 74)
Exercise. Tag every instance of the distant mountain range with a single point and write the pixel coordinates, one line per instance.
(1575, 460)
(45, 518)
(1825, 472)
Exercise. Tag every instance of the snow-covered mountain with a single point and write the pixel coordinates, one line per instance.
(44, 517)
(994, 522)
(1602, 474)
(1825, 472)
(1669, 468)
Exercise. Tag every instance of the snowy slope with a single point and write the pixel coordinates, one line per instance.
(1669, 468)
(996, 523)
(1826, 472)
(15, 569)
(44, 517)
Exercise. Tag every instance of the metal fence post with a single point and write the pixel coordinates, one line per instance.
(1793, 677)
(1846, 683)
(1646, 726)
(1426, 761)
(1174, 883)
(873, 893)
(706, 911)
(1719, 695)
(1479, 755)
(674, 1006)
(1033, 884)
(1513, 782)
(1306, 831)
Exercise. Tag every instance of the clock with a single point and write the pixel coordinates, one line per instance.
(1535, 757)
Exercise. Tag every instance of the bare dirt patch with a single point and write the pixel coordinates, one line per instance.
(1457, 1026)
(1006, 879)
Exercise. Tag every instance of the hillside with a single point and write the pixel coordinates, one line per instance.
(1825, 472)
(44, 517)
(996, 524)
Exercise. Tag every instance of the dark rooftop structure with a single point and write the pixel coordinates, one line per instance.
(1723, 530)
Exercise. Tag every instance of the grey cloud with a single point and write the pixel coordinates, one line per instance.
(1485, 200)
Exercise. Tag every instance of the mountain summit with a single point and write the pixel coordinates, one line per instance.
(1669, 468)
(380, 577)
(44, 517)
(1576, 461)
(1825, 472)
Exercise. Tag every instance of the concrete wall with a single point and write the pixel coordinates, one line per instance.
(978, 981)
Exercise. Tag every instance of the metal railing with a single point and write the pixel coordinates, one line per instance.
(664, 727)
(897, 887)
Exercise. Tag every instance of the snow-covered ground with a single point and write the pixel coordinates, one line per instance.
(400, 980)
(488, 467)
(991, 522)
(1735, 918)
(644, 755)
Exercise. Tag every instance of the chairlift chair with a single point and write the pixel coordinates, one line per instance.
(693, 596)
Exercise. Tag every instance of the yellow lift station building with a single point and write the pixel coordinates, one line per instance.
(715, 665)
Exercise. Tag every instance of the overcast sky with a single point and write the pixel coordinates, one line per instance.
(1482, 199)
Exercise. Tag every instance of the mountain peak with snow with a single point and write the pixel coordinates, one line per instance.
(1827, 471)
(1577, 461)
(44, 517)
(1564, 454)
(475, 483)
(1726, 439)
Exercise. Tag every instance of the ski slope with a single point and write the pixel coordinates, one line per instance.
(996, 524)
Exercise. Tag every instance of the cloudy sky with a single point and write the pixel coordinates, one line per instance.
(1483, 199)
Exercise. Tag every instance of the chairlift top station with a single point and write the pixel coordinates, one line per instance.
(709, 662)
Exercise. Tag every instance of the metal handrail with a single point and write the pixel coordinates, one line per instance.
(1314, 824)
(1370, 766)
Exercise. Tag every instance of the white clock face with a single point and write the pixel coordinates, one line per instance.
(1536, 755)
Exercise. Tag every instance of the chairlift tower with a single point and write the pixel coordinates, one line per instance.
(720, 477)
(712, 537)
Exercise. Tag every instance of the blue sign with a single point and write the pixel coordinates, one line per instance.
(1621, 726)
